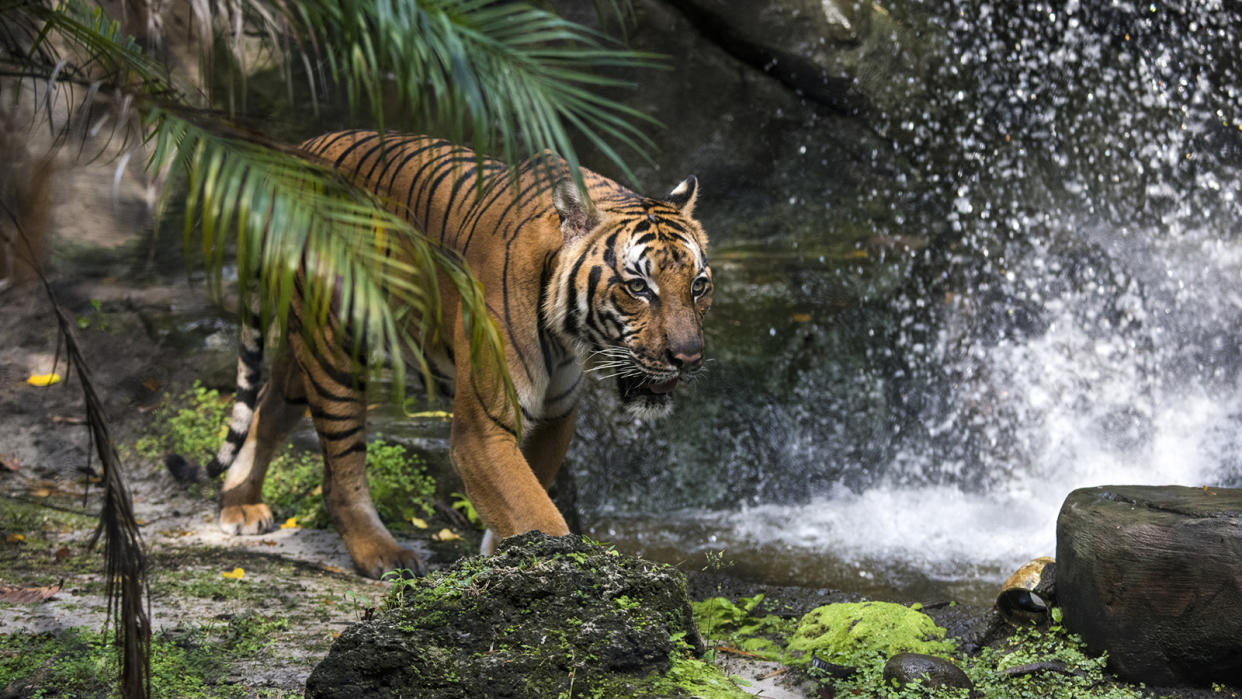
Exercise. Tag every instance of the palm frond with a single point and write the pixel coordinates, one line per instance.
(295, 223)
(505, 77)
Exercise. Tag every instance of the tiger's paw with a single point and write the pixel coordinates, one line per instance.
(376, 560)
(246, 519)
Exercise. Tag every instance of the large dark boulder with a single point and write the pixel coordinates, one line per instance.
(1153, 575)
(543, 616)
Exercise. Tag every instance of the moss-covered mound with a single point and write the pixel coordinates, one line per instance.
(844, 633)
(541, 616)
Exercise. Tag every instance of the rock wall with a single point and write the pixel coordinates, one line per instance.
(777, 107)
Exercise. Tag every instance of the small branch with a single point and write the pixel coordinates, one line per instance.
(1032, 668)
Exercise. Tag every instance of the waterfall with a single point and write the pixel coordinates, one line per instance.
(1051, 298)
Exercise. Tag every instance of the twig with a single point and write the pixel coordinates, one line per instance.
(1032, 668)
(774, 673)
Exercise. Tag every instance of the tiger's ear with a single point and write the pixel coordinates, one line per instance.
(684, 195)
(578, 214)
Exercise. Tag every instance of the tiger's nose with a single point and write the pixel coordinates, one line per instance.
(686, 358)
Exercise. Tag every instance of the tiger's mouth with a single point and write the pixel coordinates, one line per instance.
(632, 387)
(647, 397)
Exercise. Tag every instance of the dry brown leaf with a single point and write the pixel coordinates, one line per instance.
(29, 595)
(9, 464)
(62, 553)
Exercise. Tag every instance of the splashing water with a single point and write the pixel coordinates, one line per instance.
(1068, 316)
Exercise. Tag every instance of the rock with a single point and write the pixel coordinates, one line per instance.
(542, 615)
(1153, 576)
(930, 670)
(845, 633)
(795, 41)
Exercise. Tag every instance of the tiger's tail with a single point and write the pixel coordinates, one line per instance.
(249, 381)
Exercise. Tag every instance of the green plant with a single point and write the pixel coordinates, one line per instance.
(96, 318)
(462, 504)
(399, 482)
(293, 486)
(999, 672)
(186, 660)
(735, 625)
(398, 479)
(189, 424)
(715, 561)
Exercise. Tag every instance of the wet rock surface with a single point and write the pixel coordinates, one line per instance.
(541, 616)
(904, 668)
(1153, 575)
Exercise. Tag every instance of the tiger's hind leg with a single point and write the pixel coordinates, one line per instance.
(281, 404)
(338, 409)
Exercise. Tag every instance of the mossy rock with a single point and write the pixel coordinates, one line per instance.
(542, 615)
(852, 632)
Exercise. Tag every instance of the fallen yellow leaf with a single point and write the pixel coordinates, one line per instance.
(15, 538)
(43, 379)
(420, 523)
(291, 523)
(441, 414)
(237, 574)
(802, 317)
(446, 534)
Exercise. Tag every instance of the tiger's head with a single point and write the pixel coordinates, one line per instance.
(631, 288)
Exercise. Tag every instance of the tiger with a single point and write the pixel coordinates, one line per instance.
(575, 279)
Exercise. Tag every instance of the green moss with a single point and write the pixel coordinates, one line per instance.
(690, 677)
(186, 661)
(848, 632)
(1082, 676)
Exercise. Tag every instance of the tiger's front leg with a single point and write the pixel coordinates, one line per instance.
(338, 409)
(501, 484)
(544, 449)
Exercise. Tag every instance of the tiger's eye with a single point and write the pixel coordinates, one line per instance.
(636, 286)
(699, 287)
